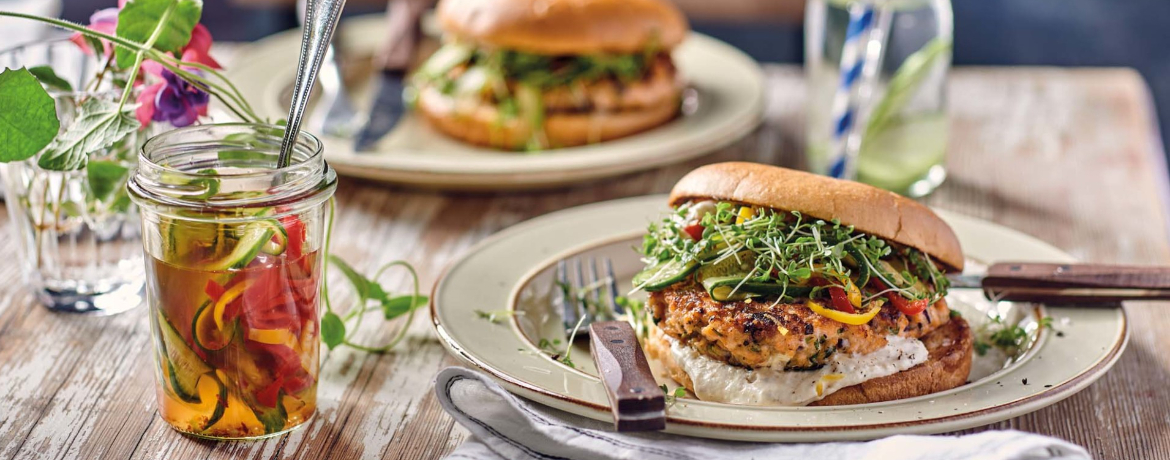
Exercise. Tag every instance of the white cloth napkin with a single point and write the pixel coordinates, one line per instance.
(507, 427)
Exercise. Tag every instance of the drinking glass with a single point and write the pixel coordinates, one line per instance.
(76, 232)
(900, 116)
(233, 258)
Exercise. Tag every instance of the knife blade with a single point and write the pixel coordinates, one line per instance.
(1083, 284)
(403, 36)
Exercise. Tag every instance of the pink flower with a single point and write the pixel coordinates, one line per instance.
(199, 48)
(104, 21)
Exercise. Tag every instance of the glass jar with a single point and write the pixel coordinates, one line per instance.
(76, 232)
(233, 258)
(898, 117)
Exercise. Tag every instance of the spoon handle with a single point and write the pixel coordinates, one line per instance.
(320, 21)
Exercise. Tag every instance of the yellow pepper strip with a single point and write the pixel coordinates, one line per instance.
(853, 293)
(272, 336)
(854, 319)
(227, 297)
(745, 213)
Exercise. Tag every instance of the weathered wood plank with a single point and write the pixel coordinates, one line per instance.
(1067, 155)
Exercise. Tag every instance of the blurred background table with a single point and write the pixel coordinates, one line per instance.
(1069, 155)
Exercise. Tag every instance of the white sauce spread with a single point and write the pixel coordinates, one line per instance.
(721, 382)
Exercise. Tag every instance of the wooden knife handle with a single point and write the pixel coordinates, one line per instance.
(1075, 283)
(637, 402)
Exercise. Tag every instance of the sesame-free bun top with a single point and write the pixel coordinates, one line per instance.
(562, 27)
(868, 209)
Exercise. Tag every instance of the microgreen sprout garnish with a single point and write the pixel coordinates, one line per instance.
(552, 349)
(797, 255)
(495, 316)
(1011, 339)
(337, 328)
(672, 396)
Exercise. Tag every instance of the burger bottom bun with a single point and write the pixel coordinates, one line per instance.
(480, 124)
(948, 366)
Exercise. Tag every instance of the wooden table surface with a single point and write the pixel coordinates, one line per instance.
(1068, 155)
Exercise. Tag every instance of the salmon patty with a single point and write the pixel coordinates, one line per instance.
(759, 333)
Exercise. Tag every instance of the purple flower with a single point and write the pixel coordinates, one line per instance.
(173, 100)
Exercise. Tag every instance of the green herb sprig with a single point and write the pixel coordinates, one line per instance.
(336, 328)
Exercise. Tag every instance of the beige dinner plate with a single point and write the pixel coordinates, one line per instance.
(728, 90)
(510, 276)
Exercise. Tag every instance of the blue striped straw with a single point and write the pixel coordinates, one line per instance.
(845, 103)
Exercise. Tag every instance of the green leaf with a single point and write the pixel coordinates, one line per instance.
(401, 305)
(98, 126)
(105, 177)
(332, 330)
(49, 78)
(365, 289)
(121, 203)
(28, 116)
(139, 18)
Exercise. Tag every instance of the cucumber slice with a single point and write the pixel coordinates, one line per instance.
(663, 274)
(209, 336)
(733, 288)
(184, 366)
(273, 418)
(739, 265)
(256, 236)
(862, 267)
(220, 402)
(278, 243)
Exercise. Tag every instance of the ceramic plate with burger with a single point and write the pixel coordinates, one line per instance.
(776, 305)
(525, 94)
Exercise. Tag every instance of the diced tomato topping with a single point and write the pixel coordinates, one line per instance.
(695, 231)
(841, 300)
(213, 290)
(907, 307)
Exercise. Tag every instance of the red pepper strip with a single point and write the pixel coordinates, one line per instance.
(296, 236)
(840, 300)
(296, 383)
(214, 290)
(695, 231)
(907, 307)
(268, 395)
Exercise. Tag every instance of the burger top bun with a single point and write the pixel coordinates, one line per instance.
(868, 209)
(561, 27)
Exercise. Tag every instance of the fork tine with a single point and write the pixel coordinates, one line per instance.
(595, 291)
(581, 295)
(565, 293)
(611, 286)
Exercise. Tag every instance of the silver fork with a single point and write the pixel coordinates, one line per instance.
(591, 309)
(583, 302)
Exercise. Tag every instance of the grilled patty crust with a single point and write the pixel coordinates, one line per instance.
(759, 333)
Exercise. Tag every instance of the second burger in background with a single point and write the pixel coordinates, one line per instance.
(532, 75)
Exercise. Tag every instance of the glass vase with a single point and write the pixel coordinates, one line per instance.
(76, 232)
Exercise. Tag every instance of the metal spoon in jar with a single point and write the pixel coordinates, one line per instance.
(320, 20)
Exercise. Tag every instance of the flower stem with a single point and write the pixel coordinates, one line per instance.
(138, 55)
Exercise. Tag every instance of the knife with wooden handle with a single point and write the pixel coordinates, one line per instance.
(637, 402)
(1069, 283)
(403, 34)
